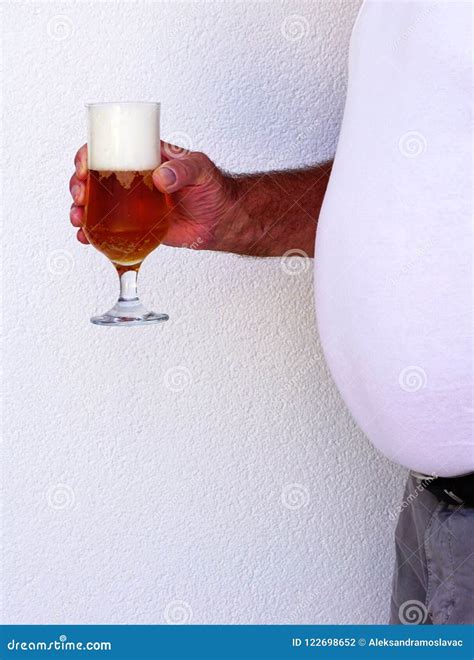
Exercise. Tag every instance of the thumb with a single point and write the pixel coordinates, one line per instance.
(175, 174)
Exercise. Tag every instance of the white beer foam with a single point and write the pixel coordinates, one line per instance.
(123, 137)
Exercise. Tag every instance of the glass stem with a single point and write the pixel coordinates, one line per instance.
(128, 285)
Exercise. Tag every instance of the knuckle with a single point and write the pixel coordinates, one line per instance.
(191, 168)
(203, 166)
(201, 159)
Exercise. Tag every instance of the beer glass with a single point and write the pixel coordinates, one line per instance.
(126, 217)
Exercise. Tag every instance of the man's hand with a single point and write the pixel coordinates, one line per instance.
(199, 196)
(265, 214)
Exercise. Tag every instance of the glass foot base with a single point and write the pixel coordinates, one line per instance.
(127, 314)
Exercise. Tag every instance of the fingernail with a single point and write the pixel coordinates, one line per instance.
(167, 176)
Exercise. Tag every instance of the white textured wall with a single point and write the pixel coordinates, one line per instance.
(123, 497)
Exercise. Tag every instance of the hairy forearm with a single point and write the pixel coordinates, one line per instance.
(273, 212)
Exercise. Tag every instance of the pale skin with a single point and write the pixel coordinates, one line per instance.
(265, 214)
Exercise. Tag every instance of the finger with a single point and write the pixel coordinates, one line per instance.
(170, 151)
(80, 163)
(76, 215)
(77, 189)
(81, 237)
(188, 171)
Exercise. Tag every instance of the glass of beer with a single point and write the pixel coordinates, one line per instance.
(126, 217)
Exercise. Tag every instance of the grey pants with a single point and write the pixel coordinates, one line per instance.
(433, 579)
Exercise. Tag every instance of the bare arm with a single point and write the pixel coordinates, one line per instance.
(256, 214)
(277, 212)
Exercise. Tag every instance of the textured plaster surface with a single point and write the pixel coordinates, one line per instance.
(205, 471)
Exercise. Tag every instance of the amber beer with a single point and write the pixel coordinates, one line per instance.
(126, 216)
